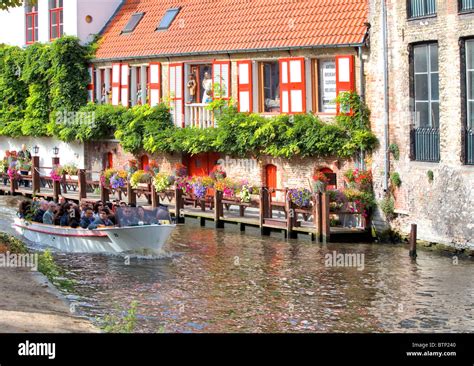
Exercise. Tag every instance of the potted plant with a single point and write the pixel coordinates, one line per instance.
(56, 173)
(140, 176)
(300, 197)
(163, 182)
(320, 181)
(71, 170)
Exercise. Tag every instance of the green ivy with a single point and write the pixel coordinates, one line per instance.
(39, 81)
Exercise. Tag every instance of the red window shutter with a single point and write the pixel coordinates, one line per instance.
(244, 82)
(292, 85)
(221, 77)
(176, 93)
(154, 83)
(345, 76)
(116, 73)
(90, 86)
(125, 84)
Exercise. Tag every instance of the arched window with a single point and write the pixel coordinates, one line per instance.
(332, 184)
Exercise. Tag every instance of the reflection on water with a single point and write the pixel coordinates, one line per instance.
(225, 281)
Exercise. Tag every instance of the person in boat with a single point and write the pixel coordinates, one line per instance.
(63, 214)
(74, 217)
(126, 217)
(103, 220)
(87, 219)
(98, 206)
(49, 215)
(24, 210)
(162, 214)
(42, 207)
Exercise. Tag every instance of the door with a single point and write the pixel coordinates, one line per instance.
(145, 163)
(271, 177)
(201, 165)
(110, 160)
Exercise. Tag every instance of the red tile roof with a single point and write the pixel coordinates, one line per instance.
(218, 26)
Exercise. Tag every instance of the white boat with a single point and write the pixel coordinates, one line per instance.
(145, 239)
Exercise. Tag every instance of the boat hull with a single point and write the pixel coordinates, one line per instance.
(140, 239)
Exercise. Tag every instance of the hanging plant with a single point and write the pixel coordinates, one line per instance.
(300, 197)
(140, 176)
(56, 173)
(163, 182)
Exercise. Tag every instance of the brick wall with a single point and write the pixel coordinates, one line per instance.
(444, 208)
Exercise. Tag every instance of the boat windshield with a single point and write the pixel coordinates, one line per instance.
(135, 216)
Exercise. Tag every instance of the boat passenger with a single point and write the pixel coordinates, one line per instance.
(162, 214)
(103, 220)
(74, 217)
(98, 206)
(39, 212)
(87, 219)
(24, 209)
(126, 217)
(48, 217)
(64, 214)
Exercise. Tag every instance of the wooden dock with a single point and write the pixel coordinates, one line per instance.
(263, 212)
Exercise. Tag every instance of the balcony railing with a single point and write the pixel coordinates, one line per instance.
(426, 144)
(470, 147)
(421, 8)
(197, 115)
(466, 5)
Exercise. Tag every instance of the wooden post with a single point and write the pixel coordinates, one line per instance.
(13, 186)
(218, 209)
(56, 191)
(149, 198)
(56, 185)
(412, 252)
(131, 195)
(317, 217)
(63, 184)
(290, 216)
(104, 194)
(155, 199)
(82, 184)
(179, 205)
(326, 230)
(35, 176)
(263, 210)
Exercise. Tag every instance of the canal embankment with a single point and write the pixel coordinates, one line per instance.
(29, 302)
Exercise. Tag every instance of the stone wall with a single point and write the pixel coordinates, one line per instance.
(443, 209)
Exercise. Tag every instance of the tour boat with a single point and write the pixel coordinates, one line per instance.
(137, 239)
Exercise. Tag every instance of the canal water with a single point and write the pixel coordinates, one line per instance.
(225, 281)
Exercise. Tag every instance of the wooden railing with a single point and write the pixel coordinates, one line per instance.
(197, 115)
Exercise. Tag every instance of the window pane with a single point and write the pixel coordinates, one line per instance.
(470, 85)
(421, 114)
(54, 31)
(421, 58)
(470, 54)
(435, 114)
(434, 57)
(435, 86)
(470, 116)
(54, 18)
(61, 17)
(271, 87)
(327, 86)
(421, 87)
(168, 18)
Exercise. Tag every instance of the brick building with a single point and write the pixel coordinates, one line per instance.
(431, 113)
(271, 57)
